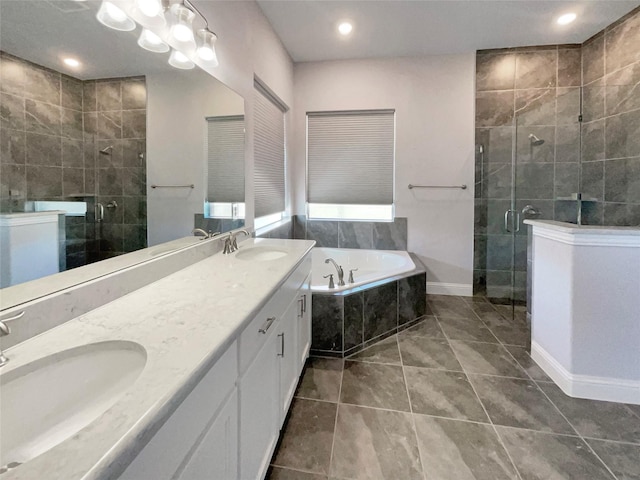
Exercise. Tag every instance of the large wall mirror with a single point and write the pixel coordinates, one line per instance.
(131, 150)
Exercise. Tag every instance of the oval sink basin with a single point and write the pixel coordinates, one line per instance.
(260, 254)
(47, 401)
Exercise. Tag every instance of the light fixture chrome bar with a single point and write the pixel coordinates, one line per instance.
(462, 187)
(174, 186)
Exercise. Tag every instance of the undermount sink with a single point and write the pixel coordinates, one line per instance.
(261, 254)
(48, 400)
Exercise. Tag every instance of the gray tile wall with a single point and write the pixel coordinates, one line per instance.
(538, 91)
(351, 234)
(52, 127)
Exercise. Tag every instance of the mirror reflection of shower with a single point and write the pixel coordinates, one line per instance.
(107, 150)
(535, 141)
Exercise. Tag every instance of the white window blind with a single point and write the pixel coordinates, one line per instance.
(269, 152)
(350, 157)
(225, 159)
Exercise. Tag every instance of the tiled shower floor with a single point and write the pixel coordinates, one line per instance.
(454, 398)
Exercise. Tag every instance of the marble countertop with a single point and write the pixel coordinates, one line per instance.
(572, 228)
(185, 322)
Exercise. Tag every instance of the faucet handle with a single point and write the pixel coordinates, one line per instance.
(331, 284)
(351, 274)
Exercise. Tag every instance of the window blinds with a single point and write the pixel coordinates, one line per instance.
(269, 153)
(350, 157)
(225, 159)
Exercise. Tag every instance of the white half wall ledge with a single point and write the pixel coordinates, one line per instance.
(586, 386)
(456, 289)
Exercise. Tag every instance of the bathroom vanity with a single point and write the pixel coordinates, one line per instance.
(585, 325)
(212, 354)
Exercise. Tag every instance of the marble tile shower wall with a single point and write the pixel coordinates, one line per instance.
(349, 234)
(611, 128)
(52, 126)
(522, 92)
(115, 116)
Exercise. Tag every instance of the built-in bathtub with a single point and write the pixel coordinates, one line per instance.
(388, 294)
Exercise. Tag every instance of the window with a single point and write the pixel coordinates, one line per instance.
(269, 156)
(225, 167)
(350, 164)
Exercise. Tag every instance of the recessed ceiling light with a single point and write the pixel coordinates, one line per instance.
(566, 19)
(345, 28)
(71, 62)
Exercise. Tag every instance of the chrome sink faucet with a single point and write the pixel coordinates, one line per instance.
(231, 243)
(199, 232)
(339, 270)
(4, 331)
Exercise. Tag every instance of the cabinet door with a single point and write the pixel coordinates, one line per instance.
(260, 410)
(304, 325)
(217, 455)
(288, 357)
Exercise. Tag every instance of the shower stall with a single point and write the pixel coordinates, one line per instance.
(557, 138)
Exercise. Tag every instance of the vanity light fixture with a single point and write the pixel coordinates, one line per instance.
(152, 42)
(182, 29)
(179, 60)
(566, 19)
(113, 17)
(149, 8)
(206, 51)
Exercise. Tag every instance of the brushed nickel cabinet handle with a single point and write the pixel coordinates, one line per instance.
(267, 324)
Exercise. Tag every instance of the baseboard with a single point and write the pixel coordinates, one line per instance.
(460, 289)
(586, 386)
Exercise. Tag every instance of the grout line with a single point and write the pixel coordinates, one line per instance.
(335, 424)
(495, 430)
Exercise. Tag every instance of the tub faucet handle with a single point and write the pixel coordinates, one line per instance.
(351, 274)
(331, 284)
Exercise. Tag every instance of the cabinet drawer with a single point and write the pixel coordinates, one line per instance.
(163, 455)
(261, 328)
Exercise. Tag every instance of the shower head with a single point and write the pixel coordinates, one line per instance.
(107, 150)
(535, 141)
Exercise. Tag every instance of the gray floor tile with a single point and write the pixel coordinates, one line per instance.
(278, 473)
(623, 459)
(487, 359)
(457, 450)
(427, 352)
(426, 328)
(509, 331)
(595, 419)
(470, 329)
(635, 409)
(525, 361)
(444, 394)
(308, 436)
(544, 456)
(449, 305)
(385, 351)
(517, 402)
(374, 385)
(321, 379)
(375, 444)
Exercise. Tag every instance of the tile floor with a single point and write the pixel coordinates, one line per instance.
(455, 397)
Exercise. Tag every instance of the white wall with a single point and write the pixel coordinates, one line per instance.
(434, 102)
(246, 45)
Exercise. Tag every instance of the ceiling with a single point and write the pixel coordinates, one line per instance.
(392, 28)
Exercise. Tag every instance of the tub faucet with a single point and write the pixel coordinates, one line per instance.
(339, 270)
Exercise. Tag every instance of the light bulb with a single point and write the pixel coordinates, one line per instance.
(345, 28)
(71, 62)
(113, 17)
(566, 19)
(150, 8)
(181, 31)
(206, 51)
(152, 42)
(178, 59)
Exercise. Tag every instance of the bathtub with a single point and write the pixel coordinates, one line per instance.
(372, 265)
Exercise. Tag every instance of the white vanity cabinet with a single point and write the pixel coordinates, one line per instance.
(228, 426)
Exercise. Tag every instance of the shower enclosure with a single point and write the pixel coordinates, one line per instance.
(548, 146)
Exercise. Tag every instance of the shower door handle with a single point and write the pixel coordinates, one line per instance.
(99, 212)
(506, 220)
